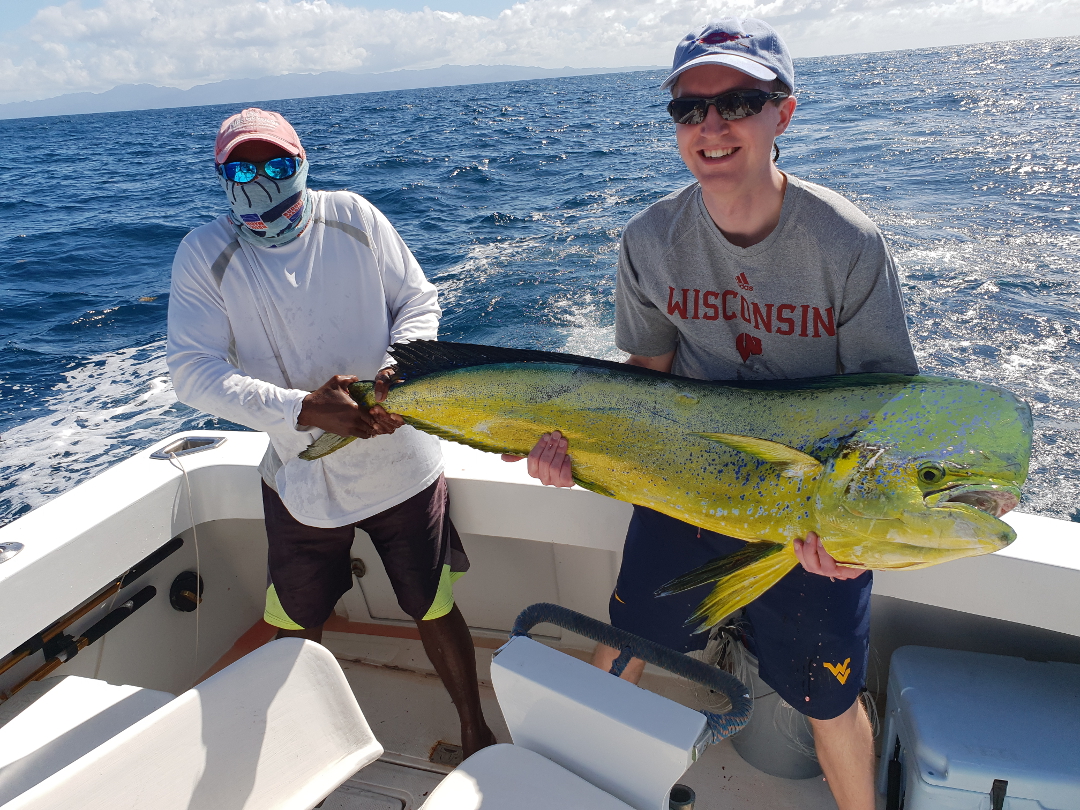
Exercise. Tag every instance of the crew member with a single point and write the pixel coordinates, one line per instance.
(291, 288)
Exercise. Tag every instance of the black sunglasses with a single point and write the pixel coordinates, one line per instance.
(242, 171)
(732, 106)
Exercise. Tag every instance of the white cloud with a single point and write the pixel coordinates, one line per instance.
(181, 43)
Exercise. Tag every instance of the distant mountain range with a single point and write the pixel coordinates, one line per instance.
(291, 85)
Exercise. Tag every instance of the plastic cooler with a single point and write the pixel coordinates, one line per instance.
(970, 731)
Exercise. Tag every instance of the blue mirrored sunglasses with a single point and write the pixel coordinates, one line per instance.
(241, 171)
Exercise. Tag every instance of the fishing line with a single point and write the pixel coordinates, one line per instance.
(198, 566)
(870, 705)
(794, 728)
(871, 688)
(105, 639)
(725, 651)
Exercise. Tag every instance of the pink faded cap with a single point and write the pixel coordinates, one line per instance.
(254, 124)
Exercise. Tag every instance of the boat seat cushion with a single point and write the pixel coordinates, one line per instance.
(71, 718)
(508, 777)
(279, 729)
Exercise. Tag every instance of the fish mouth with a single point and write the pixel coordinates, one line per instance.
(993, 499)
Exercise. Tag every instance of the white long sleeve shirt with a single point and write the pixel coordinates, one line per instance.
(253, 330)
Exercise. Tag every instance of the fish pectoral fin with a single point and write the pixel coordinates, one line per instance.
(740, 579)
(324, 446)
(721, 567)
(592, 486)
(795, 463)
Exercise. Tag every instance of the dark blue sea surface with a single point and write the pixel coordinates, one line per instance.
(513, 196)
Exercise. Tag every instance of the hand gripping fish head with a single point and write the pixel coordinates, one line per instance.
(928, 479)
(924, 479)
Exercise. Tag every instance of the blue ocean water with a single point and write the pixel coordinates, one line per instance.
(513, 196)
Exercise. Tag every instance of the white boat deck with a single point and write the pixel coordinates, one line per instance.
(410, 713)
(528, 544)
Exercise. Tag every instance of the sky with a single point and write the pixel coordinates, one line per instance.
(48, 49)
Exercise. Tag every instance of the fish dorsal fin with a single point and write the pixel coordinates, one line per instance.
(795, 463)
(418, 358)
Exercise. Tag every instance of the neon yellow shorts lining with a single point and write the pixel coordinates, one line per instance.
(274, 614)
(444, 597)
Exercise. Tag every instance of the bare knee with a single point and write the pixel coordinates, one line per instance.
(852, 722)
(603, 657)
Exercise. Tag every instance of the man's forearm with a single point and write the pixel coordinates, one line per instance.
(214, 386)
(661, 362)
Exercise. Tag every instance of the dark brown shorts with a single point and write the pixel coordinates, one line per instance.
(309, 567)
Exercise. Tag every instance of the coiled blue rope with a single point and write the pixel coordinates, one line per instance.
(631, 646)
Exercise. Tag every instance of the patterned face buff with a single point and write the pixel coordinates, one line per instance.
(267, 212)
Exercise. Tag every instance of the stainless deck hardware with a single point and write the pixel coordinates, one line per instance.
(9, 550)
(186, 445)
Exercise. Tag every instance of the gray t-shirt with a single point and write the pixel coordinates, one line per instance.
(818, 296)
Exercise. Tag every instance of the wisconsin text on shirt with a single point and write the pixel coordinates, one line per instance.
(804, 320)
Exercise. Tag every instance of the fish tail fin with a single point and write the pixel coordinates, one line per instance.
(364, 394)
(740, 579)
(324, 446)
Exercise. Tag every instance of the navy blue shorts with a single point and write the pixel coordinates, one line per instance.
(811, 635)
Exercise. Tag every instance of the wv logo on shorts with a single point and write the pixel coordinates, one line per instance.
(841, 671)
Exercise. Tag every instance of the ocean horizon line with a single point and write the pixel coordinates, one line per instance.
(139, 97)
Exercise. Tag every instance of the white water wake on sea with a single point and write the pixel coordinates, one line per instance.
(99, 414)
(513, 196)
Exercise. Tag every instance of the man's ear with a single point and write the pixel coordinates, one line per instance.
(787, 109)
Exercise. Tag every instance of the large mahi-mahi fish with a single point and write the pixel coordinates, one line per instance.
(892, 471)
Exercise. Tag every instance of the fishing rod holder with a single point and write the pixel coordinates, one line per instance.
(186, 592)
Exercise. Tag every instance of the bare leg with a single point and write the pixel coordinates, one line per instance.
(449, 645)
(310, 633)
(604, 655)
(845, 749)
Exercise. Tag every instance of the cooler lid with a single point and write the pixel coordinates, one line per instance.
(971, 718)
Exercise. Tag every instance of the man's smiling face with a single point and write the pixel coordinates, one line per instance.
(729, 156)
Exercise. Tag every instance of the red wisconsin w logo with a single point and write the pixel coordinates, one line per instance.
(722, 37)
(747, 345)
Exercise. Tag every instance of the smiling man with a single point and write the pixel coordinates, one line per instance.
(749, 274)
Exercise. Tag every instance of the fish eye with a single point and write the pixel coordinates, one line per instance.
(930, 473)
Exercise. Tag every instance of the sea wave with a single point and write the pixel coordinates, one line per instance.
(513, 196)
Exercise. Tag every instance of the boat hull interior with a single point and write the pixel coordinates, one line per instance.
(526, 543)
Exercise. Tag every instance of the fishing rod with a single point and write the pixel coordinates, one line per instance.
(96, 631)
(52, 640)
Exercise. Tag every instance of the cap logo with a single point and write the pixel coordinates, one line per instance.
(251, 119)
(723, 37)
